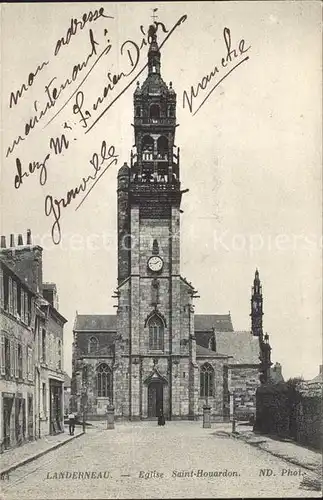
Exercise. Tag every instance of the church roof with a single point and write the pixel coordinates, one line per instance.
(243, 346)
(220, 322)
(95, 322)
(204, 352)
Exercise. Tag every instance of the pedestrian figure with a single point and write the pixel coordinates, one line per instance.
(71, 423)
(161, 418)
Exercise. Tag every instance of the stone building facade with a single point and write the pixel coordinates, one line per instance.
(31, 350)
(155, 355)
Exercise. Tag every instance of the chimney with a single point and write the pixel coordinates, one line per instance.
(3, 242)
(26, 262)
(50, 294)
(28, 237)
(321, 369)
(20, 240)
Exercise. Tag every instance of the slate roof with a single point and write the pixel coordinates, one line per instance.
(220, 322)
(203, 352)
(243, 346)
(203, 338)
(95, 322)
(316, 380)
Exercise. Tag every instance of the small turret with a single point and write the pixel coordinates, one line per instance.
(256, 306)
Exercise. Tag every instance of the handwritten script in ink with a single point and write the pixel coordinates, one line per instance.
(68, 92)
(233, 58)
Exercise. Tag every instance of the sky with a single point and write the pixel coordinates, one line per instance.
(250, 155)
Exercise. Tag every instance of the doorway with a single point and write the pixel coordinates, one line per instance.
(155, 398)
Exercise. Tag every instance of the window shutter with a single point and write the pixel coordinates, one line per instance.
(12, 357)
(30, 358)
(16, 359)
(22, 302)
(14, 285)
(24, 361)
(26, 309)
(2, 355)
(32, 312)
(10, 293)
(1, 288)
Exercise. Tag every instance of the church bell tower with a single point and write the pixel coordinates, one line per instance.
(149, 282)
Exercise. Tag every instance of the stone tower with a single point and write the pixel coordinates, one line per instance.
(155, 321)
(256, 307)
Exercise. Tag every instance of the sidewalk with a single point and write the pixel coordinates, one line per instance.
(13, 458)
(287, 450)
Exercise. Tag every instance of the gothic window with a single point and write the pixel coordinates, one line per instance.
(162, 148)
(93, 345)
(104, 382)
(206, 380)
(156, 334)
(154, 111)
(138, 111)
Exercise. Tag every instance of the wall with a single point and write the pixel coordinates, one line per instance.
(215, 401)
(16, 386)
(285, 411)
(243, 382)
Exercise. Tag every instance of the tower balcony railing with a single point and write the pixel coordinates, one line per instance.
(143, 120)
(149, 158)
(143, 184)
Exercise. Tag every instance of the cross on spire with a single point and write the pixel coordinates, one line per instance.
(154, 15)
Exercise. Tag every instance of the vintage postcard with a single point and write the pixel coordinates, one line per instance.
(160, 256)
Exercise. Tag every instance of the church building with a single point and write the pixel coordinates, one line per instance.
(156, 354)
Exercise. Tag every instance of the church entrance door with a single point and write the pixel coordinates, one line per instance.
(155, 398)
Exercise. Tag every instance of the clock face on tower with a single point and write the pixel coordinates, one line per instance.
(155, 263)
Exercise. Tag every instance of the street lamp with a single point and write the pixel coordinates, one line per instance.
(83, 406)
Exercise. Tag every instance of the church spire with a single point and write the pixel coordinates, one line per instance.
(153, 52)
(256, 306)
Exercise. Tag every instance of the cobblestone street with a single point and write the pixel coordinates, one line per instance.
(142, 460)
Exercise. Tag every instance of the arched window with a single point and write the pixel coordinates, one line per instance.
(154, 111)
(104, 382)
(156, 334)
(206, 380)
(147, 148)
(162, 147)
(93, 345)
